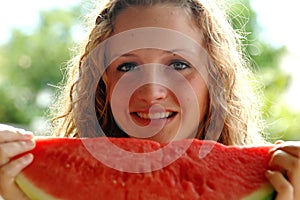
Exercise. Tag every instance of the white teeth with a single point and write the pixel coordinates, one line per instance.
(154, 115)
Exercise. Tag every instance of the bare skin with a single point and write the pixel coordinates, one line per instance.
(13, 142)
(284, 173)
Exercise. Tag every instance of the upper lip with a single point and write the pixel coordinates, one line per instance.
(154, 115)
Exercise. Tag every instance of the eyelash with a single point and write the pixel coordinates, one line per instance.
(124, 67)
(181, 63)
(129, 66)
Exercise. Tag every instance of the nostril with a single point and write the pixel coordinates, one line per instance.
(152, 93)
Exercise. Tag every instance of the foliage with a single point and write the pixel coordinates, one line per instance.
(280, 119)
(30, 64)
(244, 20)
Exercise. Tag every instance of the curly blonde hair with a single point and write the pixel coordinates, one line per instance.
(232, 94)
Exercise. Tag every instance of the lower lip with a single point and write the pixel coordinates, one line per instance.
(154, 122)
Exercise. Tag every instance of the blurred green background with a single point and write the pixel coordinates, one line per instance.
(32, 67)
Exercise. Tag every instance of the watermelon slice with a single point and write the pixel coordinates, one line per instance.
(66, 168)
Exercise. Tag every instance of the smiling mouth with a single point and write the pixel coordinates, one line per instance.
(155, 116)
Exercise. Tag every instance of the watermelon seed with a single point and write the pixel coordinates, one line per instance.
(115, 182)
(210, 185)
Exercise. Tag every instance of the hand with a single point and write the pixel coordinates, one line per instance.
(13, 142)
(285, 170)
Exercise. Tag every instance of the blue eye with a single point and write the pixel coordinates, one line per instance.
(126, 67)
(179, 65)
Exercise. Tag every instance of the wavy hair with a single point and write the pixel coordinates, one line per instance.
(231, 82)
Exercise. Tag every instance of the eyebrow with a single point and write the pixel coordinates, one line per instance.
(180, 50)
(126, 55)
(172, 51)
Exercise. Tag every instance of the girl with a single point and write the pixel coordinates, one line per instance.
(162, 70)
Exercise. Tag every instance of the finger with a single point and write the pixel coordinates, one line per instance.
(281, 185)
(8, 187)
(285, 160)
(291, 147)
(14, 167)
(12, 149)
(290, 164)
(8, 133)
(279, 141)
(5, 127)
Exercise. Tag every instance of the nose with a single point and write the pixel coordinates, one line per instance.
(155, 78)
(151, 93)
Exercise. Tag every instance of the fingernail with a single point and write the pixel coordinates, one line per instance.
(28, 134)
(28, 158)
(273, 149)
(30, 143)
(269, 173)
(279, 141)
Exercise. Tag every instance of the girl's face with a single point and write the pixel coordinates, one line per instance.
(154, 93)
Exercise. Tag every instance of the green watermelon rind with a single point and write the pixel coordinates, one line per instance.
(266, 192)
(32, 192)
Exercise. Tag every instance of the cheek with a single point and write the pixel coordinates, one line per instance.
(110, 89)
(111, 83)
(200, 89)
(119, 94)
(194, 103)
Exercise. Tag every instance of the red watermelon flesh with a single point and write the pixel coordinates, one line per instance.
(64, 168)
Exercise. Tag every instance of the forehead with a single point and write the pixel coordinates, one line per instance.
(160, 16)
(164, 27)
